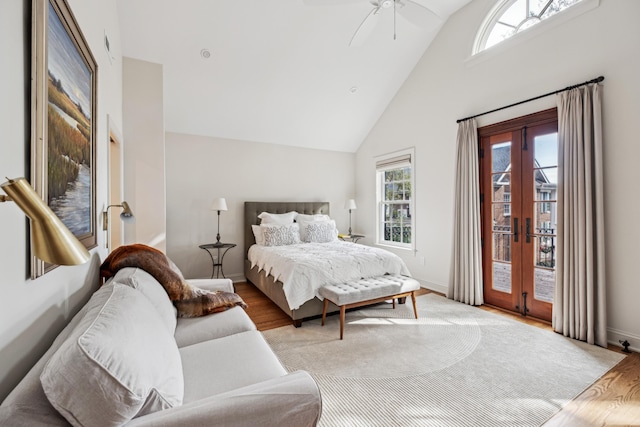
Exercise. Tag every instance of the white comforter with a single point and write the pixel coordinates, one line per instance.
(306, 267)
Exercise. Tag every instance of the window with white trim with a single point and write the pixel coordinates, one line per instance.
(395, 201)
(545, 207)
(507, 204)
(510, 17)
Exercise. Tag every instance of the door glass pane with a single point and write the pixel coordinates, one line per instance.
(544, 285)
(502, 277)
(545, 220)
(545, 251)
(501, 157)
(501, 245)
(502, 224)
(546, 150)
(501, 216)
(544, 271)
(501, 187)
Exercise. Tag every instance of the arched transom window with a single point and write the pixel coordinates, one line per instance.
(509, 17)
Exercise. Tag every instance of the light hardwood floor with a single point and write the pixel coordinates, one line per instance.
(613, 400)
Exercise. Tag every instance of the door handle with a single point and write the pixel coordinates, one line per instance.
(528, 230)
(515, 230)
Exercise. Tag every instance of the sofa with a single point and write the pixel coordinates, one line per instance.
(127, 359)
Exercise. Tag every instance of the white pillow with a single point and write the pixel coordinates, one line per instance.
(118, 363)
(282, 219)
(321, 232)
(280, 235)
(257, 234)
(315, 217)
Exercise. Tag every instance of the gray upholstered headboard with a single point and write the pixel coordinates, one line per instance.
(253, 209)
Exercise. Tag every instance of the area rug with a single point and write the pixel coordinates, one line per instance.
(454, 366)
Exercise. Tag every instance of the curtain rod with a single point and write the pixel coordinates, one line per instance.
(596, 80)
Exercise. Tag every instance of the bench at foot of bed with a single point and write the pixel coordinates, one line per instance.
(361, 292)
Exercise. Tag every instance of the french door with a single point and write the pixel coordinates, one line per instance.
(519, 180)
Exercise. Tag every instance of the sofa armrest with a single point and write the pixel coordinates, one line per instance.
(290, 400)
(212, 284)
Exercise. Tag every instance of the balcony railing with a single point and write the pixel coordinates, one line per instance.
(545, 255)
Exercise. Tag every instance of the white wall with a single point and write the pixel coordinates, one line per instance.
(200, 169)
(144, 155)
(445, 86)
(32, 312)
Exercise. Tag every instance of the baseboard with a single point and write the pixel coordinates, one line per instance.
(615, 336)
(433, 286)
(237, 278)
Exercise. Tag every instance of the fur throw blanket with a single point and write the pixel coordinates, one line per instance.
(189, 300)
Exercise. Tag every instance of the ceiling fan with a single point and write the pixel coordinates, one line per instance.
(413, 12)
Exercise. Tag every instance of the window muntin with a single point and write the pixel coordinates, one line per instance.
(510, 17)
(394, 176)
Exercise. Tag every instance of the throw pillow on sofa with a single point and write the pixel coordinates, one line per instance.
(118, 363)
(149, 287)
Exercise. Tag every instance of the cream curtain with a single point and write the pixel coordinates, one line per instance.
(466, 275)
(580, 299)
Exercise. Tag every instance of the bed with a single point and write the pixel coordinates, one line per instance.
(275, 289)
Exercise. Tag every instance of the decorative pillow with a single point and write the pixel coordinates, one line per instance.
(139, 279)
(315, 217)
(282, 219)
(257, 234)
(118, 363)
(321, 232)
(281, 235)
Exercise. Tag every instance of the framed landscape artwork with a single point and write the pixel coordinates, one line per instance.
(63, 148)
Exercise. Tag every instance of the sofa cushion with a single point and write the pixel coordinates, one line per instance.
(118, 363)
(228, 363)
(150, 288)
(192, 330)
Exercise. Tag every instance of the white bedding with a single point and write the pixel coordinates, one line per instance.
(304, 268)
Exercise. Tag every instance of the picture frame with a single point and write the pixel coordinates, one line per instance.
(64, 104)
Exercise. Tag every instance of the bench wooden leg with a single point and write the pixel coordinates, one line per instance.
(413, 298)
(324, 310)
(342, 315)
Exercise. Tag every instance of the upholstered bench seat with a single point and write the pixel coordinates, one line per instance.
(361, 292)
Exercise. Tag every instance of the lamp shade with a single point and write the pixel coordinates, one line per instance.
(126, 210)
(219, 204)
(51, 239)
(350, 204)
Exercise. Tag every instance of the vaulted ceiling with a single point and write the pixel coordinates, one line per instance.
(279, 71)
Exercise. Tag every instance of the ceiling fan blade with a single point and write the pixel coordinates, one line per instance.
(365, 28)
(415, 13)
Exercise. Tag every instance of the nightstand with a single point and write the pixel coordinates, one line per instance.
(219, 246)
(351, 237)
